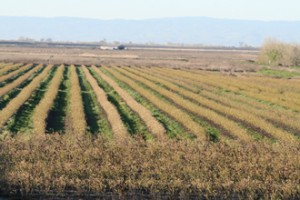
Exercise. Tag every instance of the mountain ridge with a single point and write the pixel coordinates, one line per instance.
(180, 30)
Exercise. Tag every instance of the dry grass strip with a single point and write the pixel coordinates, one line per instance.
(25, 94)
(75, 119)
(284, 118)
(41, 111)
(255, 122)
(236, 85)
(9, 67)
(7, 76)
(112, 114)
(4, 64)
(228, 125)
(152, 124)
(171, 110)
(17, 82)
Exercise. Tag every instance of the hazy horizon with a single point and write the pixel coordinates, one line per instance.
(212, 22)
(267, 10)
(180, 30)
(153, 18)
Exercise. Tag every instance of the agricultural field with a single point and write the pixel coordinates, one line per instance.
(150, 103)
(181, 131)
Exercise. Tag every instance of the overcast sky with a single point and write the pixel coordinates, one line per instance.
(145, 9)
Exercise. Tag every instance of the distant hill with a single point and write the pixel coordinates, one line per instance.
(187, 30)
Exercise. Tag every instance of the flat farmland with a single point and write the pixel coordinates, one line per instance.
(239, 60)
(150, 102)
(147, 125)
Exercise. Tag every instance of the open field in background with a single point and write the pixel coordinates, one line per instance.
(228, 61)
(195, 58)
(147, 123)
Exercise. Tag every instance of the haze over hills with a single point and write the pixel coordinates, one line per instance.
(182, 30)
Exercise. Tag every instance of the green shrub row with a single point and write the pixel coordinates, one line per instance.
(95, 116)
(132, 121)
(22, 120)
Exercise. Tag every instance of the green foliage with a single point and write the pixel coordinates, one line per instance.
(196, 118)
(274, 55)
(213, 134)
(55, 121)
(294, 67)
(173, 128)
(131, 120)
(4, 100)
(95, 116)
(278, 73)
(12, 69)
(21, 121)
(11, 79)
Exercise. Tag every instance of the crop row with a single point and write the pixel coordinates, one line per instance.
(111, 112)
(163, 105)
(279, 117)
(9, 68)
(152, 124)
(238, 85)
(172, 127)
(133, 122)
(95, 115)
(13, 75)
(75, 119)
(201, 85)
(22, 119)
(17, 82)
(18, 101)
(42, 109)
(152, 103)
(238, 115)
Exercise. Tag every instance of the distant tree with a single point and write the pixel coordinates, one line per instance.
(26, 39)
(103, 42)
(274, 52)
(116, 43)
(49, 40)
(241, 44)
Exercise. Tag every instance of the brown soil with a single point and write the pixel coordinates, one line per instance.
(217, 60)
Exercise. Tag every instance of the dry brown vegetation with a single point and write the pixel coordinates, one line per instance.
(171, 110)
(42, 109)
(17, 82)
(282, 117)
(232, 128)
(237, 114)
(9, 67)
(153, 125)
(274, 52)
(75, 120)
(55, 165)
(15, 104)
(225, 135)
(9, 75)
(198, 59)
(111, 112)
